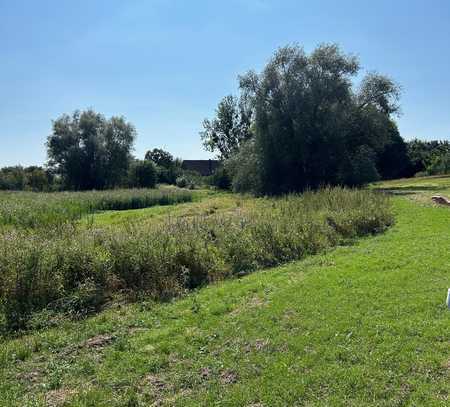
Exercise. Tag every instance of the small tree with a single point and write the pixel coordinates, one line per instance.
(229, 129)
(221, 178)
(160, 157)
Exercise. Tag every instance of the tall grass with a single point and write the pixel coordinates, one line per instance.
(74, 266)
(33, 210)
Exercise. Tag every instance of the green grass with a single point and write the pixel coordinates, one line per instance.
(74, 270)
(204, 203)
(362, 325)
(38, 210)
(420, 184)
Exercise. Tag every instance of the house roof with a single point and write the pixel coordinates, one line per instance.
(203, 167)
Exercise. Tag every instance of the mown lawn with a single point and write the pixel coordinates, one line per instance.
(360, 325)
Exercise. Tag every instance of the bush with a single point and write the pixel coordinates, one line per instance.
(221, 179)
(182, 182)
(142, 174)
(188, 180)
(72, 266)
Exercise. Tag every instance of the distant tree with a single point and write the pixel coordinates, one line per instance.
(160, 157)
(37, 179)
(142, 174)
(424, 154)
(229, 129)
(12, 178)
(440, 164)
(32, 178)
(168, 169)
(89, 151)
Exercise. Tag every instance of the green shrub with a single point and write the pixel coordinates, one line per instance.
(186, 181)
(221, 178)
(142, 174)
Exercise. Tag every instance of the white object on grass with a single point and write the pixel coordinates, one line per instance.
(448, 298)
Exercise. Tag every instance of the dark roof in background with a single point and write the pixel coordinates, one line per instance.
(203, 167)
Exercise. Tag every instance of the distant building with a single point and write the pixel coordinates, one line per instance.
(203, 167)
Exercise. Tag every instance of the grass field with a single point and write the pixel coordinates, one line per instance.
(34, 210)
(75, 268)
(361, 325)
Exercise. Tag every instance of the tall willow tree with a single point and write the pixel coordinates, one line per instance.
(312, 127)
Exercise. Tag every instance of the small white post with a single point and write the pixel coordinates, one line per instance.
(448, 298)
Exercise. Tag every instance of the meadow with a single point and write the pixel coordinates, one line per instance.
(75, 267)
(361, 325)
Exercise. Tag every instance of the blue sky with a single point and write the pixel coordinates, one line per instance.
(164, 64)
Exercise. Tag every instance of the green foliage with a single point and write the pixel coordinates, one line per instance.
(89, 151)
(440, 164)
(29, 178)
(12, 178)
(169, 174)
(160, 157)
(40, 267)
(244, 168)
(429, 157)
(142, 174)
(393, 161)
(184, 181)
(32, 210)
(229, 129)
(422, 154)
(168, 169)
(362, 168)
(191, 180)
(305, 123)
(221, 178)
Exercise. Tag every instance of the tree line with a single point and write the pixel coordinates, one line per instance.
(87, 151)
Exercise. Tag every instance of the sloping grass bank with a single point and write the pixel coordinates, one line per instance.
(75, 269)
(363, 325)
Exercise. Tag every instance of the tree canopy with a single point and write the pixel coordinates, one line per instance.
(160, 157)
(229, 129)
(311, 125)
(90, 151)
